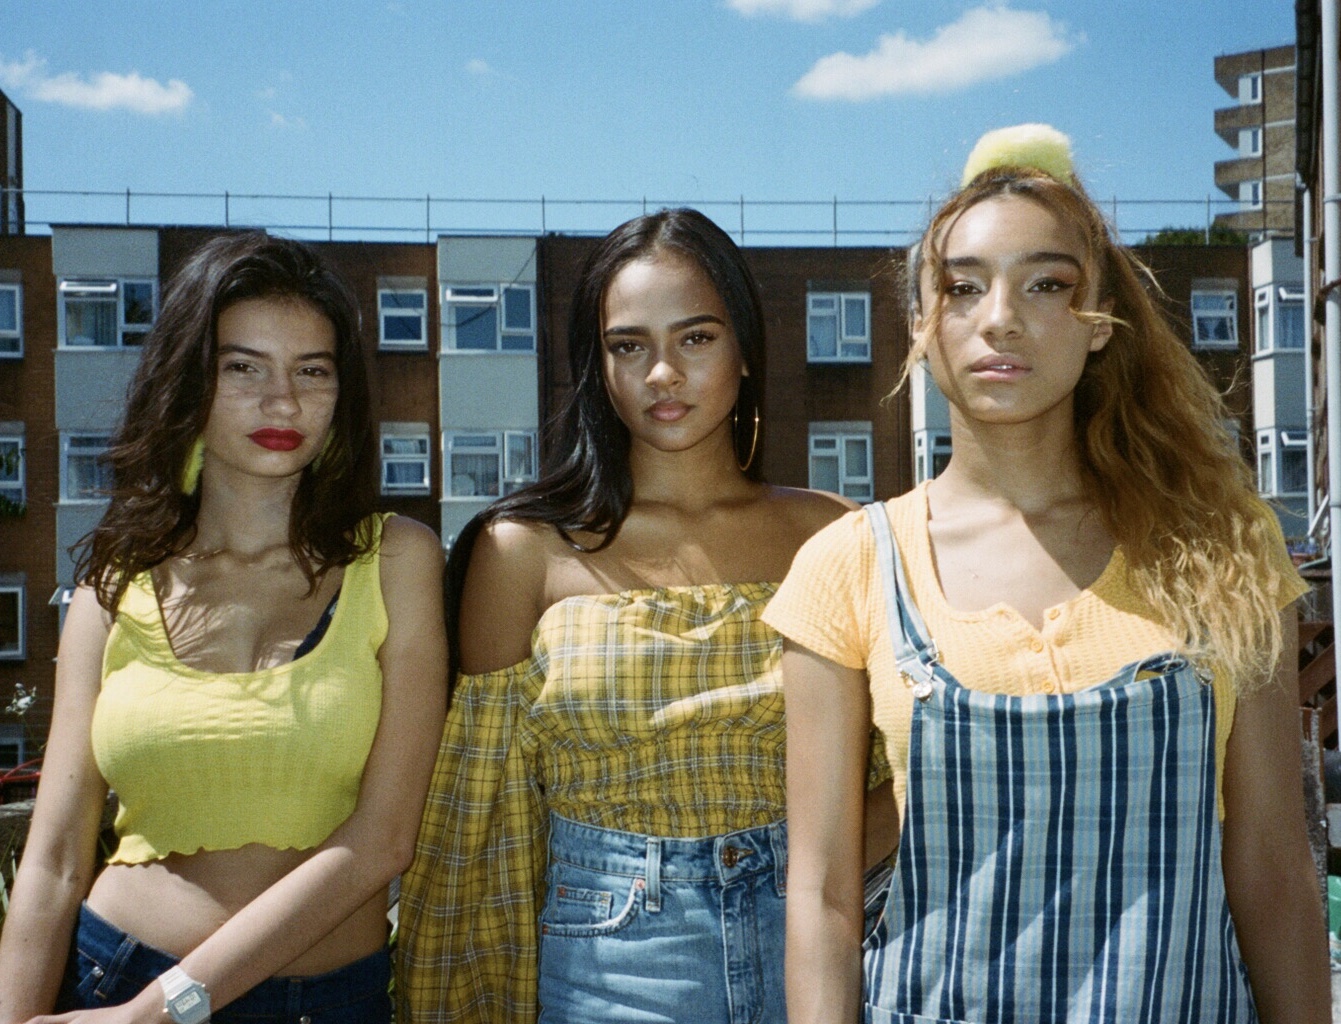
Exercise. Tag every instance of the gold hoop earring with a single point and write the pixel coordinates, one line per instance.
(754, 441)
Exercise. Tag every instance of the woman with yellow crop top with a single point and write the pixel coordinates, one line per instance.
(255, 664)
(609, 792)
(1078, 642)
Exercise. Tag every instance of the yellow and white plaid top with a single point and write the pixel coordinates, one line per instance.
(654, 711)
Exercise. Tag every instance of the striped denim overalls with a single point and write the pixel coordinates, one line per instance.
(1060, 856)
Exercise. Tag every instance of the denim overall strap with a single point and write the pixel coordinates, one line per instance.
(1060, 858)
(914, 650)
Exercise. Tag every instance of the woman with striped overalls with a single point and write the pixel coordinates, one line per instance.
(1078, 643)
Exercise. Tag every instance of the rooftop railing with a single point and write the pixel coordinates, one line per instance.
(819, 222)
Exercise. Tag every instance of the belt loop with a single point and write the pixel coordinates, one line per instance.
(653, 901)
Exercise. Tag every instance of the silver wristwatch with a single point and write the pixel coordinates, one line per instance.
(185, 1000)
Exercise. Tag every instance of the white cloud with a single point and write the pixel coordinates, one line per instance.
(475, 66)
(802, 10)
(105, 90)
(986, 43)
(278, 120)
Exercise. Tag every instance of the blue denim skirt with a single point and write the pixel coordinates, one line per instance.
(658, 930)
(107, 967)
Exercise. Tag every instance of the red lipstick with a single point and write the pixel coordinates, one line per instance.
(275, 440)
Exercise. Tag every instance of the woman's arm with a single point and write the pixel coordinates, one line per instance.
(57, 868)
(376, 842)
(828, 728)
(1269, 874)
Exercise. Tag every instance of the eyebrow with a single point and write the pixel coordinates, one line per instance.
(258, 354)
(1043, 256)
(678, 325)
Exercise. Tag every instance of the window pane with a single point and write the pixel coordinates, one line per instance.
(90, 322)
(517, 309)
(10, 462)
(857, 492)
(1265, 481)
(519, 342)
(475, 327)
(404, 446)
(854, 318)
(854, 456)
(86, 477)
(1293, 471)
(9, 622)
(402, 300)
(139, 302)
(1213, 302)
(1263, 328)
(1215, 329)
(402, 328)
(405, 474)
(1290, 325)
(9, 309)
(823, 337)
(520, 456)
(824, 472)
(474, 475)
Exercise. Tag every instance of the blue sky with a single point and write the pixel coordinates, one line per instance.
(675, 100)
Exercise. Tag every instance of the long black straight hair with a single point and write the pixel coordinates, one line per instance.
(590, 488)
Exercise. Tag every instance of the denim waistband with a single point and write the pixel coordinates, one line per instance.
(721, 858)
(106, 943)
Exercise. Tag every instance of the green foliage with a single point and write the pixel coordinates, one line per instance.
(1196, 236)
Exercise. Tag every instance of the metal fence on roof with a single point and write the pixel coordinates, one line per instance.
(834, 221)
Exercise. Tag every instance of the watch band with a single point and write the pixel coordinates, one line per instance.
(185, 1000)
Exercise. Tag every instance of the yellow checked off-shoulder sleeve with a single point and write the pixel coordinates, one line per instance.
(466, 950)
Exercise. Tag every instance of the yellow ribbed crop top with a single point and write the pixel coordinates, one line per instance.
(214, 761)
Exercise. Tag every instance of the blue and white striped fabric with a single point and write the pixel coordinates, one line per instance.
(1060, 856)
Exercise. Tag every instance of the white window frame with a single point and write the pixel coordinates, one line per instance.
(1295, 444)
(12, 738)
(1250, 88)
(1228, 316)
(833, 444)
(852, 343)
(1289, 298)
(1250, 142)
(503, 445)
(1266, 462)
(385, 311)
(12, 446)
(421, 458)
(20, 650)
(76, 445)
(930, 448)
(483, 295)
(11, 340)
(128, 334)
(1250, 194)
(1265, 341)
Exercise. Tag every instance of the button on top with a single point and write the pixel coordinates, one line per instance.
(1054, 612)
(1036, 645)
(1049, 686)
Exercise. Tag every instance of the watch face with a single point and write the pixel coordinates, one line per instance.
(186, 1002)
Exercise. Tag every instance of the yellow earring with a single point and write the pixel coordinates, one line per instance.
(195, 462)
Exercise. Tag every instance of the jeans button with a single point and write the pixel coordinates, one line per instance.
(97, 972)
(304, 1019)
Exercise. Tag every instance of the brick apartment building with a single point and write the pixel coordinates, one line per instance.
(466, 338)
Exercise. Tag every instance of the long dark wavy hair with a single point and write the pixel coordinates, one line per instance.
(149, 518)
(590, 489)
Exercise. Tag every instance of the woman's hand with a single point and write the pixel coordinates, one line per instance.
(1270, 879)
(828, 729)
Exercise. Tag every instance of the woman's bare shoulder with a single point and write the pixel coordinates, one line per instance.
(505, 592)
(810, 510)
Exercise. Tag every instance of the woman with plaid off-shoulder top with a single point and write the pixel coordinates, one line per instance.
(604, 838)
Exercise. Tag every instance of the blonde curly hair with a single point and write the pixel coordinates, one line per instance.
(1158, 465)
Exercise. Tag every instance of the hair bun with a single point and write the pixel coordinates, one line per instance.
(1039, 147)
